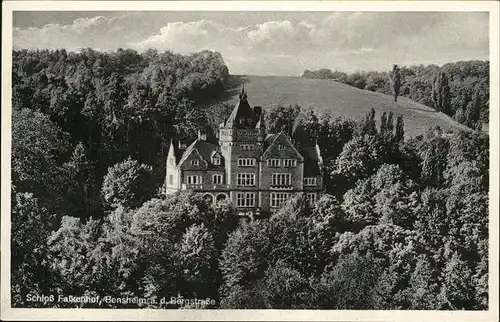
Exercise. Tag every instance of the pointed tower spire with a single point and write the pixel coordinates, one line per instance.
(171, 147)
(243, 95)
(171, 159)
(242, 114)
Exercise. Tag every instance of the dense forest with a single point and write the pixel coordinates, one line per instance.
(465, 85)
(118, 104)
(402, 224)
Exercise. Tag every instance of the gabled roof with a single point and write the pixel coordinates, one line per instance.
(312, 161)
(204, 148)
(270, 139)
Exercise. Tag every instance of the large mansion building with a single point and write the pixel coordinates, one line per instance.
(256, 171)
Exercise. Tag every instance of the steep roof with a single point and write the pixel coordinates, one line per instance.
(176, 150)
(268, 141)
(271, 138)
(204, 148)
(312, 161)
(241, 110)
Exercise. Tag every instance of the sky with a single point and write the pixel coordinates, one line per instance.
(269, 43)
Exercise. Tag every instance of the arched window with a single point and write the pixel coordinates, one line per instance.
(221, 197)
(209, 198)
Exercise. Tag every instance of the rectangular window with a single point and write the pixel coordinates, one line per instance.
(282, 179)
(278, 198)
(273, 162)
(217, 161)
(281, 147)
(309, 181)
(195, 162)
(246, 179)
(217, 178)
(246, 162)
(194, 180)
(245, 199)
(290, 163)
(311, 198)
(170, 179)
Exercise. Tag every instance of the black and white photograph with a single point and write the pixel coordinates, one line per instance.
(248, 157)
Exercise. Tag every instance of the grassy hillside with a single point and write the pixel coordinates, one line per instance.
(336, 99)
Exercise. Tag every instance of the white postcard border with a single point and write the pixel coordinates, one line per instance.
(9, 313)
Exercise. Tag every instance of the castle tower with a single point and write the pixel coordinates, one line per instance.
(241, 137)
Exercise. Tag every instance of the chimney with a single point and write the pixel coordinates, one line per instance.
(202, 135)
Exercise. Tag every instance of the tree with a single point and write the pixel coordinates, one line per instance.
(458, 289)
(221, 220)
(387, 196)
(473, 112)
(358, 205)
(306, 129)
(244, 259)
(378, 82)
(433, 151)
(400, 132)
(417, 82)
(431, 224)
(326, 222)
(95, 257)
(441, 93)
(423, 289)
(82, 195)
(368, 126)
(38, 149)
(360, 157)
(333, 134)
(383, 123)
(350, 283)
(396, 81)
(30, 273)
(289, 236)
(395, 198)
(75, 253)
(197, 262)
(128, 184)
(282, 118)
(287, 288)
(390, 122)
(158, 228)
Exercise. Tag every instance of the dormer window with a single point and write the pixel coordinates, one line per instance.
(195, 162)
(216, 161)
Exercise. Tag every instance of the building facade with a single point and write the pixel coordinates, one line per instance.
(256, 171)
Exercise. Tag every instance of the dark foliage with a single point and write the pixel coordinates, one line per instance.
(402, 223)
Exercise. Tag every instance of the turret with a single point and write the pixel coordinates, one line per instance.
(242, 115)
